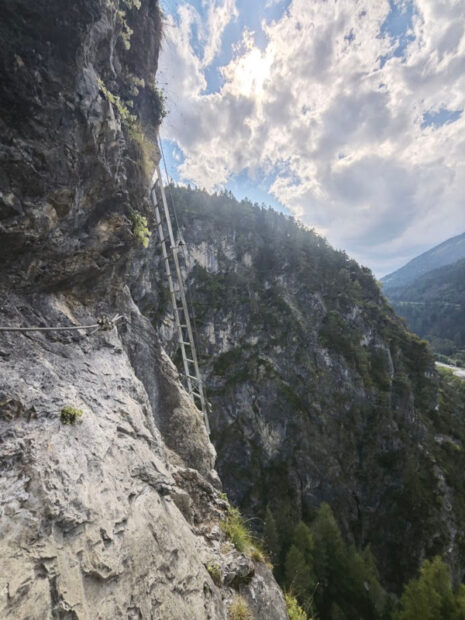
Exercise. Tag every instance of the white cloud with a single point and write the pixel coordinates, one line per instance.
(219, 16)
(342, 132)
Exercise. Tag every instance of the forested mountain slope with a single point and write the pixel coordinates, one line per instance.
(318, 391)
(446, 253)
(434, 307)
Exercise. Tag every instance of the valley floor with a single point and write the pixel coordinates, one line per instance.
(458, 372)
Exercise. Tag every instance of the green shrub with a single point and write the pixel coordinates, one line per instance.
(294, 610)
(140, 228)
(239, 610)
(70, 415)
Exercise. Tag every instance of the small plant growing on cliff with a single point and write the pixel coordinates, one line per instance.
(294, 610)
(239, 610)
(140, 228)
(70, 415)
(146, 147)
(214, 572)
(161, 98)
(127, 118)
(236, 530)
(257, 555)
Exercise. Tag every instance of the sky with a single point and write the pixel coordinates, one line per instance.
(347, 114)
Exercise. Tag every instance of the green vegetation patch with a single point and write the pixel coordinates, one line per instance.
(140, 228)
(431, 596)
(70, 415)
(294, 610)
(127, 118)
(235, 528)
(215, 572)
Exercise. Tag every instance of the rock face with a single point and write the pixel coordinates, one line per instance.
(116, 516)
(318, 391)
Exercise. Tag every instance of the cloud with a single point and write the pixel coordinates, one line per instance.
(219, 16)
(364, 142)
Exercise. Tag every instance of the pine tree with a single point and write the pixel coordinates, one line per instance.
(330, 556)
(303, 540)
(430, 597)
(298, 576)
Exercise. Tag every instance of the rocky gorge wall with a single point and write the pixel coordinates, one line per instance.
(117, 516)
(319, 393)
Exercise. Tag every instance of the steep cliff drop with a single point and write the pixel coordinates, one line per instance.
(109, 503)
(320, 392)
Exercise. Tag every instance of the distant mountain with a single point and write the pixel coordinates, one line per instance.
(445, 253)
(434, 307)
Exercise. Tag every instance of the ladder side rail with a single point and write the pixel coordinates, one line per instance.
(183, 301)
(194, 353)
(171, 286)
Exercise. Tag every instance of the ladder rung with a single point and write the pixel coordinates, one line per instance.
(184, 343)
(190, 361)
(194, 378)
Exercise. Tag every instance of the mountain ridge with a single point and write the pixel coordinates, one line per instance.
(445, 253)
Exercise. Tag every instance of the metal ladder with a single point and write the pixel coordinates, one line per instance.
(170, 256)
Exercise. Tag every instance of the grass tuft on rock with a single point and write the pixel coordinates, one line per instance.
(235, 528)
(214, 572)
(294, 610)
(239, 610)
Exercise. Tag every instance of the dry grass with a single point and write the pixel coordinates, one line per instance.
(239, 610)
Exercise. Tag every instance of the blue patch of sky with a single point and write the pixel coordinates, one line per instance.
(214, 79)
(256, 189)
(440, 117)
(397, 26)
(350, 37)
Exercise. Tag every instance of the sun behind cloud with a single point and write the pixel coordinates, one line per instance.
(247, 74)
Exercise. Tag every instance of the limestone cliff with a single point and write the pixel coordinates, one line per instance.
(116, 516)
(319, 392)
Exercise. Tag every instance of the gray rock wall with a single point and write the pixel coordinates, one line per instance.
(118, 515)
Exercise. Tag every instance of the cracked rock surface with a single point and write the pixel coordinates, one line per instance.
(117, 515)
